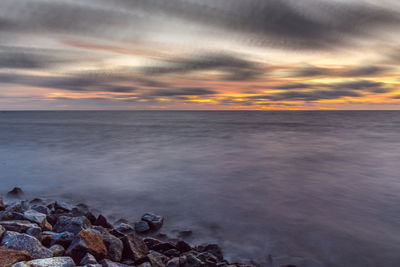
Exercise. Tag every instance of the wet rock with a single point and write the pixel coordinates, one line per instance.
(174, 262)
(27, 243)
(117, 233)
(102, 221)
(50, 262)
(11, 216)
(213, 249)
(114, 247)
(2, 206)
(35, 232)
(18, 206)
(155, 260)
(162, 247)
(155, 221)
(158, 254)
(20, 226)
(88, 259)
(108, 263)
(134, 247)
(124, 228)
(10, 256)
(71, 224)
(190, 261)
(90, 217)
(87, 241)
(207, 257)
(62, 206)
(151, 242)
(142, 227)
(37, 217)
(172, 253)
(145, 264)
(15, 192)
(64, 239)
(36, 201)
(182, 246)
(41, 208)
(57, 250)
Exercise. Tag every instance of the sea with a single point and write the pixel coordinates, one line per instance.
(312, 188)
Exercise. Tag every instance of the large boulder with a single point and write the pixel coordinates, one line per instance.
(114, 247)
(182, 246)
(134, 247)
(10, 256)
(211, 248)
(102, 221)
(155, 221)
(41, 208)
(61, 206)
(64, 239)
(142, 227)
(50, 262)
(71, 224)
(39, 218)
(15, 192)
(27, 243)
(18, 225)
(87, 241)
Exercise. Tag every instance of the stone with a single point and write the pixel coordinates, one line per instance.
(42, 209)
(163, 247)
(36, 217)
(172, 253)
(182, 246)
(71, 224)
(11, 216)
(25, 242)
(114, 247)
(159, 255)
(62, 206)
(35, 232)
(174, 262)
(20, 226)
(2, 206)
(213, 249)
(124, 228)
(155, 221)
(155, 260)
(142, 227)
(151, 242)
(102, 221)
(64, 239)
(15, 192)
(57, 250)
(2, 231)
(108, 263)
(87, 241)
(10, 256)
(36, 201)
(190, 261)
(18, 206)
(50, 262)
(134, 247)
(90, 217)
(145, 264)
(88, 259)
(207, 257)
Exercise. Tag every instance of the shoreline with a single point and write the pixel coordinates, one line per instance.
(55, 233)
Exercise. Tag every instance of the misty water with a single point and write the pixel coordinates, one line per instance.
(320, 188)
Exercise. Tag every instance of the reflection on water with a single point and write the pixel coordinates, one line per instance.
(316, 185)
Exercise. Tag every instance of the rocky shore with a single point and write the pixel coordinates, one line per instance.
(42, 233)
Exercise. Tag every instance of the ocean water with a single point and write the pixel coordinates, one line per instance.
(319, 188)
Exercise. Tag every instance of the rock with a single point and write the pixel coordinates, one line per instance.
(213, 249)
(35, 232)
(50, 262)
(142, 227)
(134, 247)
(10, 256)
(87, 241)
(36, 201)
(102, 221)
(163, 247)
(182, 246)
(36, 217)
(151, 242)
(25, 242)
(190, 261)
(11, 216)
(2, 231)
(71, 224)
(117, 233)
(207, 257)
(174, 262)
(108, 263)
(114, 247)
(155, 260)
(88, 259)
(16, 192)
(172, 253)
(90, 217)
(158, 254)
(20, 226)
(62, 206)
(155, 221)
(40, 208)
(18, 206)
(64, 239)
(2, 206)
(145, 264)
(57, 250)
(124, 228)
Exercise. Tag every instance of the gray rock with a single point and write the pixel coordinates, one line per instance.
(15, 192)
(145, 264)
(124, 228)
(213, 249)
(142, 227)
(57, 250)
(50, 262)
(174, 262)
(158, 254)
(151, 242)
(35, 232)
(114, 247)
(182, 246)
(60, 205)
(25, 242)
(102, 221)
(41, 208)
(50, 238)
(20, 226)
(134, 247)
(162, 247)
(172, 253)
(155, 221)
(37, 217)
(88, 259)
(155, 260)
(190, 261)
(18, 206)
(108, 263)
(71, 224)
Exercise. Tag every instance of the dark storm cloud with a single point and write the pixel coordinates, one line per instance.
(351, 71)
(365, 71)
(234, 68)
(290, 86)
(308, 96)
(195, 91)
(359, 85)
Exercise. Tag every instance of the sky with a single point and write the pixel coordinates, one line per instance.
(199, 54)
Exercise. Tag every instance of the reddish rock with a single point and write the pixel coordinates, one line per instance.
(10, 256)
(134, 247)
(88, 241)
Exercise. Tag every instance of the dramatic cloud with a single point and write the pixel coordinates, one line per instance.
(182, 92)
(308, 96)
